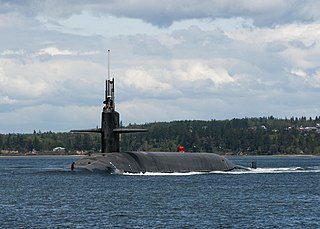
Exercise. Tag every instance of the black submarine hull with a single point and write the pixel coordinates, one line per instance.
(154, 162)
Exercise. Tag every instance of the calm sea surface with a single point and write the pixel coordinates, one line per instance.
(42, 192)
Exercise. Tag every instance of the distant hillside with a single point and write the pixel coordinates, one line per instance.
(266, 135)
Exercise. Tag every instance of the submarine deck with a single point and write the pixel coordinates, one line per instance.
(166, 162)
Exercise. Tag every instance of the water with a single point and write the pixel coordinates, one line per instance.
(42, 192)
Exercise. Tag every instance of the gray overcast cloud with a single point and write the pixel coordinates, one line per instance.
(171, 60)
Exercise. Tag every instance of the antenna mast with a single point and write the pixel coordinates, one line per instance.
(109, 100)
(108, 64)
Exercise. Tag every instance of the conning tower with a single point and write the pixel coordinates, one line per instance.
(110, 122)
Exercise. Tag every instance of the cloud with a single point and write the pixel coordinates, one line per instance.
(141, 80)
(195, 70)
(33, 81)
(164, 13)
(298, 73)
(6, 100)
(305, 33)
(48, 117)
(12, 19)
(178, 76)
(8, 52)
(53, 51)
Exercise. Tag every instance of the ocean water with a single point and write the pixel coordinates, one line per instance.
(42, 192)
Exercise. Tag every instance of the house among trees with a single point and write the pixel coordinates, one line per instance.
(59, 149)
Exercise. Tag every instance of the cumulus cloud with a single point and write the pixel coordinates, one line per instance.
(8, 52)
(53, 51)
(140, 79)
(195, 70)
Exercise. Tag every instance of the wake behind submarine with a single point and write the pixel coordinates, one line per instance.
(112, 161)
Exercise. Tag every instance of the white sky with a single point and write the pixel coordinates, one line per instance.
(172, 60)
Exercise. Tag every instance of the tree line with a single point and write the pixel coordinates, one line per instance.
(249, 136)
(47, 141)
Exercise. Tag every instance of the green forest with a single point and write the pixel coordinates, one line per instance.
(246, 136)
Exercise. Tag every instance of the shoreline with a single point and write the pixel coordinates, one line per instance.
(41, 155)
(225, 155)
(277, 155)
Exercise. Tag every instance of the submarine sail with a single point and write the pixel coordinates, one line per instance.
(112, 160)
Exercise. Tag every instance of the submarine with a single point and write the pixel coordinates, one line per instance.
(112, 161)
